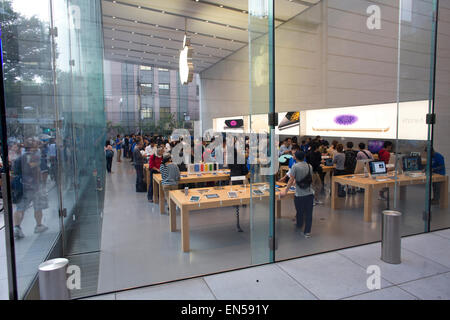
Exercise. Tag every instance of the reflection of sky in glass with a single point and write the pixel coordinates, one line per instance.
(27, 8)
(41, 9)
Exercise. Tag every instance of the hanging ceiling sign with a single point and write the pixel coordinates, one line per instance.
(186, 65)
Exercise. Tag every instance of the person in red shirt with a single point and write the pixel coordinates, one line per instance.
(153, 165)
(385, 155)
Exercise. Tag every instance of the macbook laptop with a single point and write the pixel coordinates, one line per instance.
(378, 169)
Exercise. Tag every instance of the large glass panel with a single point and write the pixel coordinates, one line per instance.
(414, 97)
(30, 113)
(146, 98)
(440, 215)
(83, 130)
(261, 107)
(358, 73)
(56, 130)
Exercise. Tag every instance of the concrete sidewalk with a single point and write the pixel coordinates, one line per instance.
(423, 274)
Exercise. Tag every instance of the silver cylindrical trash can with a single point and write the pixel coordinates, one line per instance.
(391, 237)
(53, 280)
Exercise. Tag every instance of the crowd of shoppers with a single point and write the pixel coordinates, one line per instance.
(305, 161)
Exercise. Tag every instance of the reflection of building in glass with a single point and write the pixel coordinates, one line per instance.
(143, 97)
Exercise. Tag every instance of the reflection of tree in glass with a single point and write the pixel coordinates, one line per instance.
(27, 69)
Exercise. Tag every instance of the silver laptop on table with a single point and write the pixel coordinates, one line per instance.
(378, 169)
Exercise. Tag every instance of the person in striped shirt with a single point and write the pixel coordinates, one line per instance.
(170, 175)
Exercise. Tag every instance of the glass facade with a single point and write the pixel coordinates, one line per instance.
(354, 80)
(53, 81)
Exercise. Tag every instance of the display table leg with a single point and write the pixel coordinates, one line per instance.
(185, 230)
(444, 194)
(334, 196)
(278, 209)
(155, 192)
(172, 215)
(161, 199)
(402, 193)
(368, 196)
(238, 226)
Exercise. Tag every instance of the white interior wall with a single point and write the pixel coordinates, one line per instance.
(327, 57)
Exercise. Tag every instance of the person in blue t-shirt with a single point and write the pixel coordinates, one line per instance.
(292, 161)
(119, 147)
(437, 167)
(304, 147)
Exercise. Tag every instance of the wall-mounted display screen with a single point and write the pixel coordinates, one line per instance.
(374, 121)
(375, 146)
(288, 123)
(230, 124)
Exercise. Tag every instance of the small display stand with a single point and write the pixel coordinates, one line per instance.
(198, 168)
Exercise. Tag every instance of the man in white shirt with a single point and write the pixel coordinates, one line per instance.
(364, 154)
(150, 149)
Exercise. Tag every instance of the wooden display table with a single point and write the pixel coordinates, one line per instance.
(180, 200)
(369, 185)
(185, 178)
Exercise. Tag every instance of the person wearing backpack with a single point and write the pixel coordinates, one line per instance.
(314, 158)
(350, 163)
(301, 175)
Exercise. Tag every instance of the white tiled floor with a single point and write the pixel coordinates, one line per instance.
(423, 274)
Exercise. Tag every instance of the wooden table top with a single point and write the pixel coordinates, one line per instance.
(243, 195)
(360, 180)
(200, 177)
